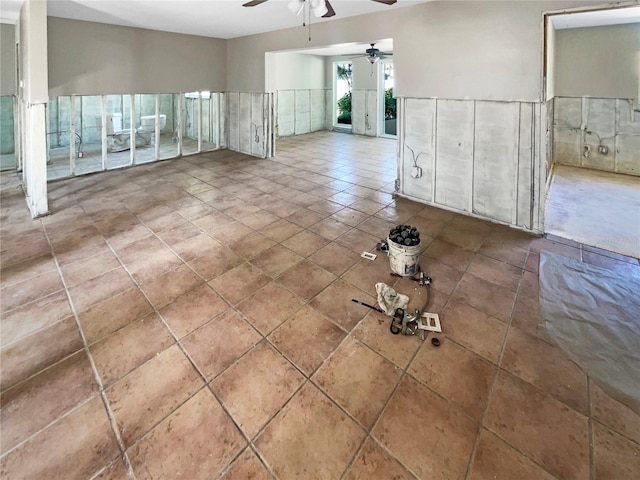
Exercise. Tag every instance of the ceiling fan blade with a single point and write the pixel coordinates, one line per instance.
(253, 3)
(330, 11)
(386, 2)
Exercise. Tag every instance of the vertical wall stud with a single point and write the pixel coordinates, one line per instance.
(157, 129)
(103, 133)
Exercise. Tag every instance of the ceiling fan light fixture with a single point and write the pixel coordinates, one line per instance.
(296, 6)
(373, 59)
(319, 8)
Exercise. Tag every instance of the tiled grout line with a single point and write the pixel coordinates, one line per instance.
(98, 379)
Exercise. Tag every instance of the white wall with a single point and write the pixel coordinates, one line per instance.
(7, 59)
(88, 58)
(295, 71)
(597, 61)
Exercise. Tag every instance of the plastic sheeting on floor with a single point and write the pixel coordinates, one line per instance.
(593, 314)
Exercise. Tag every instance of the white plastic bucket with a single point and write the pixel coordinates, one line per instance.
(403, 260)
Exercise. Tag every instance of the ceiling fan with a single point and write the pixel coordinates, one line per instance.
(373, 54)
(320, 8)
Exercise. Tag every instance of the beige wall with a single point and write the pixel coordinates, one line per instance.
(92, 58)
(296, 71)
(7, 59)
(458, 50)
(597, 61)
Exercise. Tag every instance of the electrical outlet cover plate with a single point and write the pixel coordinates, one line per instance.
(416, 172)
(430, 322)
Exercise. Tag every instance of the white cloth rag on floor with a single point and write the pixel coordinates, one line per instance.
(389, 299)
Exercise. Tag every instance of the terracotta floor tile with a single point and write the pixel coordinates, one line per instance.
(26, 270)
(546, 367)
(374, 331)
(464, 236)
(445, 278)
(247, 466)
(374, 462)
(239, 282)
(37, 351)
(614, 456)
(613, 414)
(269, 307)
(350, 216)
(526, 315)
(305, 217)
(129, 347)
(448, 254)
(230, 233)
(151, 392)
(40, 313)
(335, 258)
(336, 303)
(307, 339)
(88, 268)
(456, 373)
(306, 279)
(192, 310)
(254, 389)
(66, 449)
(329, 228)
(252, 245)
(34, 404)
(93, 291)
(544, 429)
(215, 262)
(310, 438)
(219, 343)
(495, 459)
(281, 230)
(495, 271)
(182, 445)
(358, 241)
(276, 260)
(533, 262)
(115, 471)
(149, 245)
(111, 314)
(359, 380)
(305, 243)
(179, 234)
(529, 285)
(473, 329)
(485, 296)
(29, 290)
(169, 286)
(504, 252)
(378, 227)
(145, 269)
(366, 273)
(195, 246)
(445, 435)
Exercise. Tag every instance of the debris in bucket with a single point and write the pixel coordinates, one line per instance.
(405, 235)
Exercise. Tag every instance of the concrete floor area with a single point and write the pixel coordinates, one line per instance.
(192, 318)
(599, 209)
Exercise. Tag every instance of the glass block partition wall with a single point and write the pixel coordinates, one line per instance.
(92, 133)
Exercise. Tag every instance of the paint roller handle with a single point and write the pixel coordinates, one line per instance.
(367, 305)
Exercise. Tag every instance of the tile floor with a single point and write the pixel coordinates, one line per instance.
(193, 319)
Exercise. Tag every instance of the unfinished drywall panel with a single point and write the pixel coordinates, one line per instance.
(599, 120)
(495, 162)
(318, 110)
(358, 109)
(302, 111)
(233, 117)
(597, 61)
(628, 154)
(567, 130)
(371, 113)
(245, 124)
(286, 112)
(258, 124)
(627, 120)
(526, 176)
(454, 153)
(419, 147)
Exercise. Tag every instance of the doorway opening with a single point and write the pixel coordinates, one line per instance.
(387, 101)
(593, 128)
(342, 88)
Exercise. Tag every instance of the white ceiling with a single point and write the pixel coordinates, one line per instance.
(210, 18)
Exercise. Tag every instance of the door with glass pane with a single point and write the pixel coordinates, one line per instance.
(387, 100)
